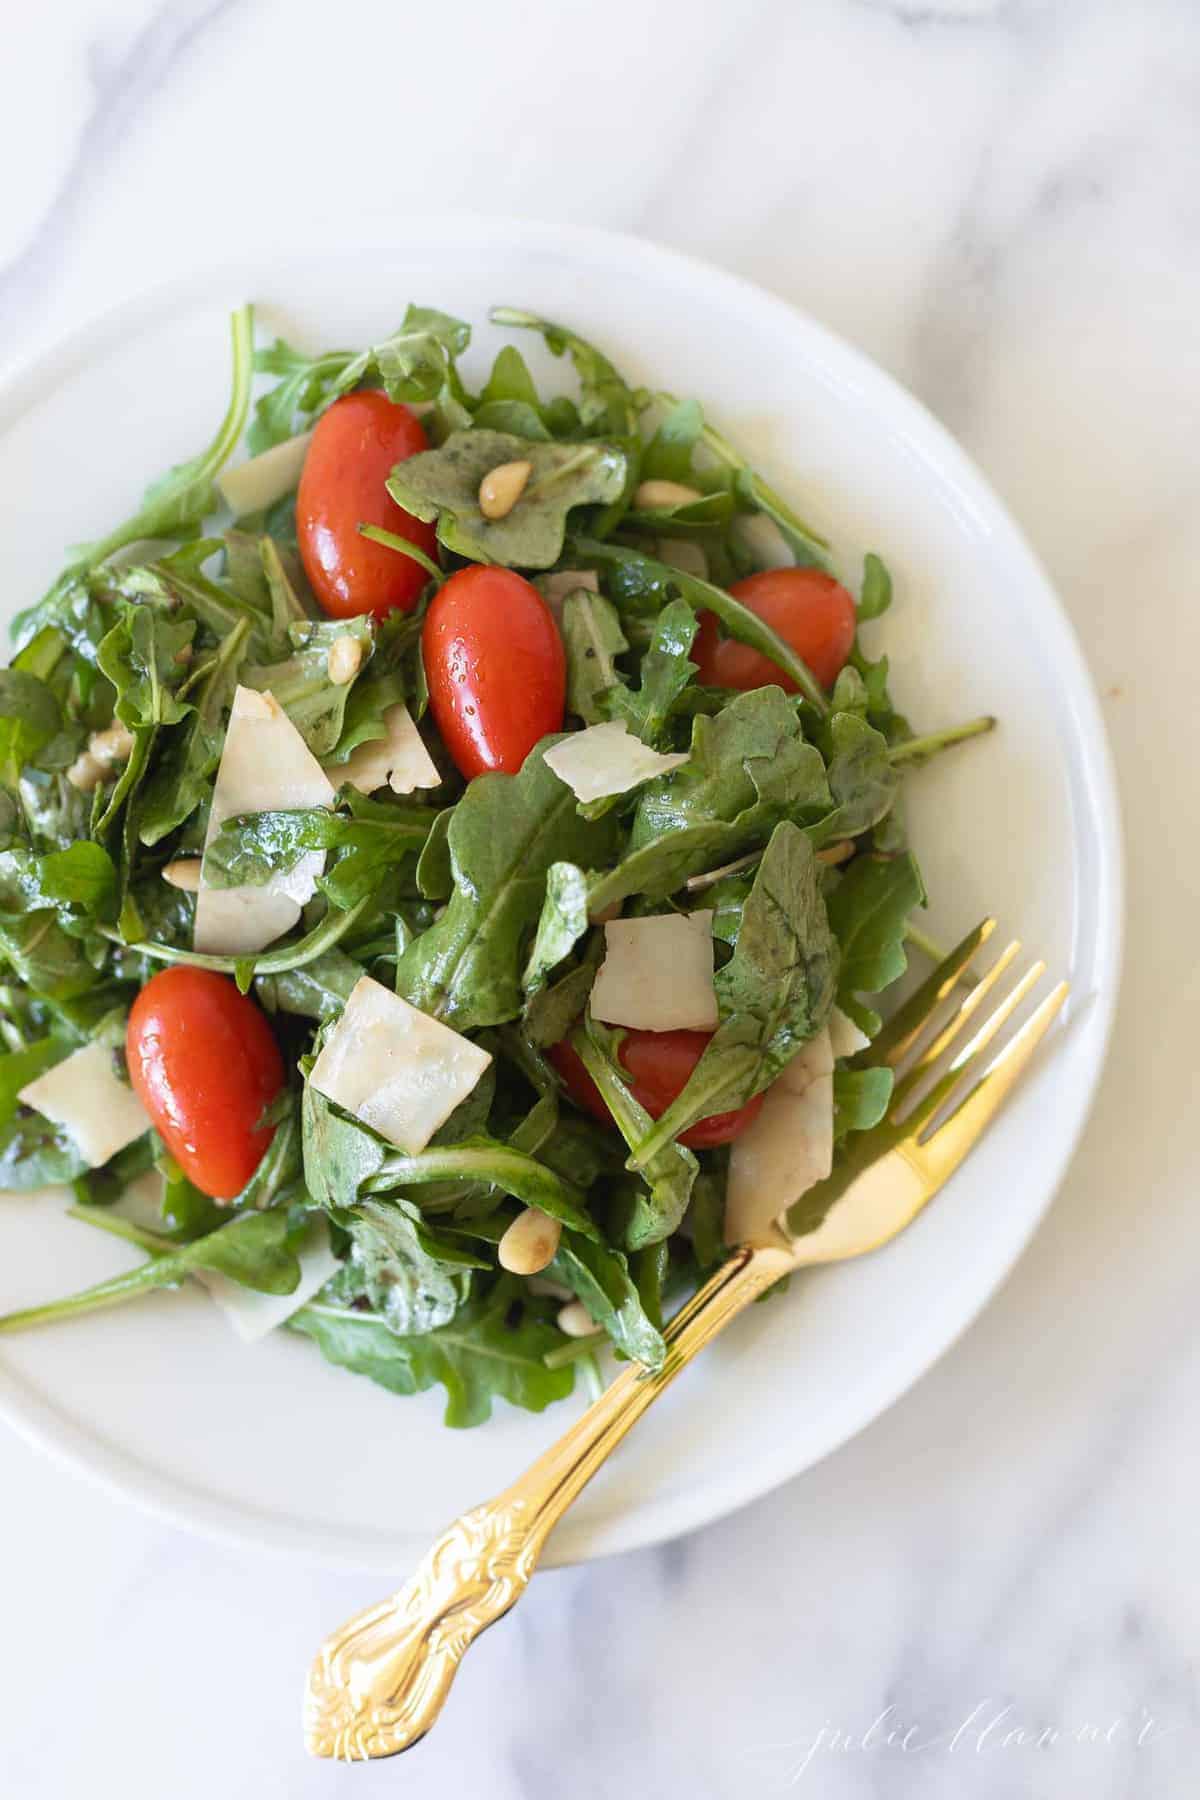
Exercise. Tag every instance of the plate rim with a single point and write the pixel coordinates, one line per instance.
(47, 366)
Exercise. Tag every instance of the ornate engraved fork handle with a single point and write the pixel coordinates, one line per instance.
(379, 1682)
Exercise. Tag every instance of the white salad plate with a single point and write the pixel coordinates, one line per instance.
(267, 1444)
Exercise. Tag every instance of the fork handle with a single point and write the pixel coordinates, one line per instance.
(379, 1682)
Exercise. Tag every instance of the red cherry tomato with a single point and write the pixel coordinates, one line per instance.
(496, 668)
(811, 612)
(354, 449)
(659, 1064)
(204, 1064)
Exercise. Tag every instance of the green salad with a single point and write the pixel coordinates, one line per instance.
(452, 852)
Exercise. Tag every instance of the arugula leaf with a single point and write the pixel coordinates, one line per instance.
(340, 1154)
(860, 1099)
(252, 1249)
(300, 682)
(29, 718)
(551, 1012)
(656, 1211)
(444, 485)
(505, 833)
(184, 770)
(81, 877)
(608, 404)
(868, 910)
(563, 920)
(861, 777)
(666, 672)
(482, 1352)
(34, 1152)
(372, 839)
(876, 594)
(145, 657)
(591, 629)
(668, 456)
(54, 965)
(318, 991)
(600, 1278)
(805, 544)
(410, 1278)
(638, 579)
(749, 768)
(486, 1159)
(773, 995)
(509, 402)
(415, 363)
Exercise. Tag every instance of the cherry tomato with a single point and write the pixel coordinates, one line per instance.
(496, 668)
(204, 1064)
(658, 1064)
(811, 612)
(354, 449)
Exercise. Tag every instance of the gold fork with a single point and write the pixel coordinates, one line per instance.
(379, 1682)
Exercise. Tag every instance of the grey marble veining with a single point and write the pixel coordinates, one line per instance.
(995, 1591)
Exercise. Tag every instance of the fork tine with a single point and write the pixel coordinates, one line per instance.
(945, 1148)
(962, 1015)
(904, 1027)
(967, 1060)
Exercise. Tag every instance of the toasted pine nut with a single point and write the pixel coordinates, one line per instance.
(183, 655)
(502, 487)
(836, 853)
(112, 745)
(86, 773)
(653, 496)
(575, 1320)
(344, 659)
(184, 873)
(530, 1242)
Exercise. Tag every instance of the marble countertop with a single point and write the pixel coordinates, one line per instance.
(994, 1591)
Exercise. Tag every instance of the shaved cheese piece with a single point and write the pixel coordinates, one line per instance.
(252, 486)
(657, 974)
(399, 1071)
(398, 760)
(265, 764)
(253, 1314)
(84, 1095)
(555, 588)
(607, 759)
(844, 1035)
(788, 1148)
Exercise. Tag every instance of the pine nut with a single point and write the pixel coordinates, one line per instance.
(530, 1242)
(549, 1290)
(86, 773)
(111, 746)
(184, 873)
(344, 659)
(836, 853)
(502, 487)
(575, 1320)
(654, 496)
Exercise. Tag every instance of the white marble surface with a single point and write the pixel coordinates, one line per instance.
(997, 199)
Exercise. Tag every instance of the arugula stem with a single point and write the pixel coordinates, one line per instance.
(920, 940)
(918, 749)
(391, 541)
(810, 543)
(737, 619)
(229, 649)
(105, 1219)
(322, 937)
(564, 1354)
(219, 451)
(156, 1272)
